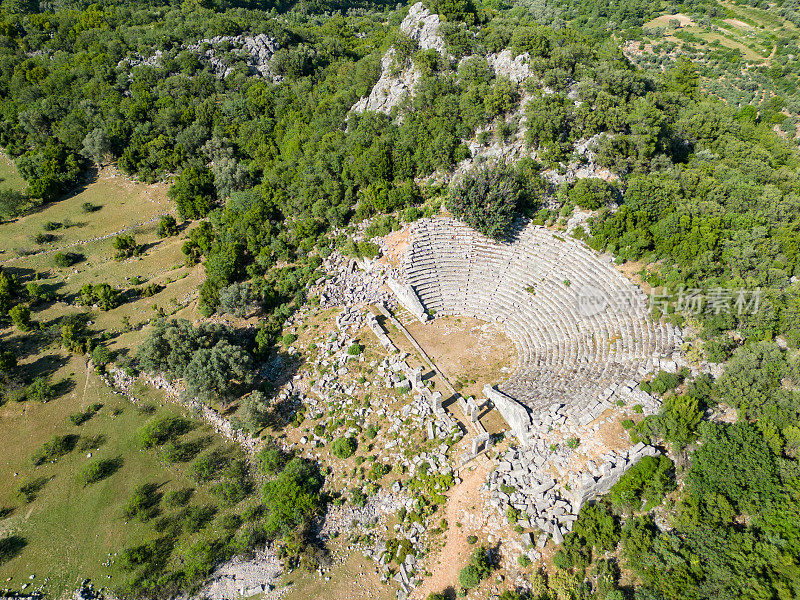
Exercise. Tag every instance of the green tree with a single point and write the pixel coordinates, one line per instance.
(487, 200)
(21, 317)
(193, 192)
(216, 374)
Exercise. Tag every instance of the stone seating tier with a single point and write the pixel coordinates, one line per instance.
(565, 354)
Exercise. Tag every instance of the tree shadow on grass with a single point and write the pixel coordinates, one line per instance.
(30, 490)
(10, 547)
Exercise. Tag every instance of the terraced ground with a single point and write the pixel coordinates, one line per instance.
(745, 56)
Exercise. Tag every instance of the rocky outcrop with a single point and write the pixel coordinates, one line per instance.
(585, 168)
(506, 65)
(257, 52)
(422, 26)
(391, 89)
(395, 85)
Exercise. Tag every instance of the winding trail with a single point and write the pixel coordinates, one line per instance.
(464, 499)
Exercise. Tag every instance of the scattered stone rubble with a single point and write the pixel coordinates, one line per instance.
(245, 577)
(545, 503)
(351, 282)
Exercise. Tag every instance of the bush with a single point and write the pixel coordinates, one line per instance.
(143, 504)
(591, 193)
(126, 247)
(272, 459)
(101, 294)
(53, 449)
(101, 356)
(193, 192)
(40, 390)
(98, 470)
(355, 349)
(292, 499)
(177, 498)
(478, 569)
(10, 547)
(80, 418)
(167, 226)
(159, 430)
(21, 317)
(66, 259)
(344, 447)
(486, 200)
(358, 497)
(209, 466)
(646, 483)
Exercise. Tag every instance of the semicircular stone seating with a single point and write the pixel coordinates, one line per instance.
(579, 326)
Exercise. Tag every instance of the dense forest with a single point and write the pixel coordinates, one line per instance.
(278, 172)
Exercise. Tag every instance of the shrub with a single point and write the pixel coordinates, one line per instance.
(21, 317)
(646, 483)
(486, 200)
(197, 517)
(53, 449)
(292, 499)
(66, 259)
(10, 547)
(358, 497)
(272, 459)
(209, 466)
(81, 417)
(157, 431)
(101, 356)
(167, 226)
(31, 489)
(524, 561)
(98, 470)
(177, 498)
(477, 570)
(591, 193)
(40, 390)
(126, 247)
(101, 294)
(344, 447)
(355, 349)
(143, 504)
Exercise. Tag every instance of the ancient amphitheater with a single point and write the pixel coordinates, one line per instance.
(581, 329)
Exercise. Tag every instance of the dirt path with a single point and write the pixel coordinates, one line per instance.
(464, 499)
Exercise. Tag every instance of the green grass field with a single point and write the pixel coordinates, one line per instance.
(71, 532)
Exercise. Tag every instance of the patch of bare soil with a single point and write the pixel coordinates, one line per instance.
(395, 246)
(469, 352)
(631, 270)
(464, 500)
